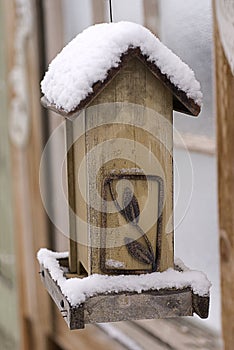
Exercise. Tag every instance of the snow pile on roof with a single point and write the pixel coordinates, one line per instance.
(78, 290)
(91, 54)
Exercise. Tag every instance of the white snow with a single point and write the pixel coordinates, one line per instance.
(78, 290)
(91, 54)
(114, 263)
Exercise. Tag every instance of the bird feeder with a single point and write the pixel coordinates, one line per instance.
(116, 85)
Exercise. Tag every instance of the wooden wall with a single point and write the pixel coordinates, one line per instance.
(225, 146)
(9, 334)
(26, 130)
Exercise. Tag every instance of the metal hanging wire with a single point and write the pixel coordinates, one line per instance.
(110, 8)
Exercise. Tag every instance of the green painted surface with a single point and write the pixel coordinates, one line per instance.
(9, 332)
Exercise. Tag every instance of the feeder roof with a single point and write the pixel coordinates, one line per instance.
(86, 65)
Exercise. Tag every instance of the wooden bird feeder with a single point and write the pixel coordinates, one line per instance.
(122, 200)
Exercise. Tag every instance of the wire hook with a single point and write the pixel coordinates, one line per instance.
(110, 7)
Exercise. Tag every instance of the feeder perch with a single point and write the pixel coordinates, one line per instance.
(116, 85)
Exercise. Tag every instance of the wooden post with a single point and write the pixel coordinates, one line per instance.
(71, 198)
(225, 147)
(25, 126)
(9, 325)
(152, 16)
(98, 11)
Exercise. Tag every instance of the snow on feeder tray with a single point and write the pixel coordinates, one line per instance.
(117, 85)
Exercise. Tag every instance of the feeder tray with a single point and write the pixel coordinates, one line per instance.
(123, 306)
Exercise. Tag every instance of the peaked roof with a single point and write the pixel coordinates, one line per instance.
(92, 59)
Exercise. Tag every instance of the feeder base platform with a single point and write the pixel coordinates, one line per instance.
(123, 306)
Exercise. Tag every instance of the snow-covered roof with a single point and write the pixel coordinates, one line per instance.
(83, 67)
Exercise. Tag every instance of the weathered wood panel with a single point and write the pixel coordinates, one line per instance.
(151, 304)
(136, 85)
(98, 11)
(71, 196)
(53, 42)
(172, 334)
(89, 338)
(137, 338)
(29, 215)
(225, 146)
(152, 19)
(9, 325)
(126, 306)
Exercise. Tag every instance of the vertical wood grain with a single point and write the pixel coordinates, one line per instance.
(9, 325)
(133, 84)
(99, 11)
(31, 225)
(225, 147)
(54, 41)
(152, 16)
(71, 197)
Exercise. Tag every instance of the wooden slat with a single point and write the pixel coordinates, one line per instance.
(169, 334)
(29, 215)
(225, 147)
(139, 337)
(71, 197)
(54, 41)
(124, 306)
(178, 334)
(89, 338)
(9, 13)
(98, 11)
(38, 235)
(9, 326)
(152, 16)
